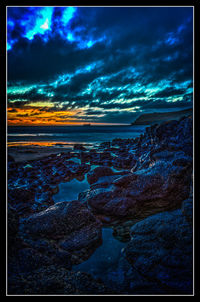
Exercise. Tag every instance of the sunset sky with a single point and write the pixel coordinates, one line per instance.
(75, 65)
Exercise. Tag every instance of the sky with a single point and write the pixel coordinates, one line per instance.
(98, 65)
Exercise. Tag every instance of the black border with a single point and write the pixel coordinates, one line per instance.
(3, 131)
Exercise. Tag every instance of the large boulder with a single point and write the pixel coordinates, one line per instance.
(59, 220)
(67, 226)
(158, 188)
(161, 250)
(98, 172)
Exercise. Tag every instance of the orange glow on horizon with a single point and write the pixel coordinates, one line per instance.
(38, 116)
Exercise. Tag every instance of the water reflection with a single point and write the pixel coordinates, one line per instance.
(106, 262)
(69, 191)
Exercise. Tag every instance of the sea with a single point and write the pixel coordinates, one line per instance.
(65, 136)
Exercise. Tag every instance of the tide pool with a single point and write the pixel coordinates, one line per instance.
(69, 191)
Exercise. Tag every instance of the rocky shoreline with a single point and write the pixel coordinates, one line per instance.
(141, 188)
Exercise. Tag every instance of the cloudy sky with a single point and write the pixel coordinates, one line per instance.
(73, 65)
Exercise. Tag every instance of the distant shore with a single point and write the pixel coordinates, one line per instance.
(158, 117)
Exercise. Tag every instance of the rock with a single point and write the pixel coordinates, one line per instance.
(105, 181)
(124, 180)
(12, 230)
(59, 220)
(124, 161)
(53, 280)
(66, 227)
(145, 192)
(13, 222)
(85, 157)
(18, 196)
(81, 244)
(108, 201)
(79, 147)
(105, 145)
(83, 169)
(187, 209)
(98, 172)
(29, 259)
(47, 251)
(165, 154)
(105, 156)
(82, 196)
(161, 251)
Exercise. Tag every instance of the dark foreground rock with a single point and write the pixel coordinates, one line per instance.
(68, 227)
(161, 250)
(53, 280)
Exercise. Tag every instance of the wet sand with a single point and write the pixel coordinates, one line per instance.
(21, 154)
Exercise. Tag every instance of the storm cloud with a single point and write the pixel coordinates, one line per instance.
(91, 61)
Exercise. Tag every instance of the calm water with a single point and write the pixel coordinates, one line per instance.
(106, 262)
(69, 191)
(71, 134)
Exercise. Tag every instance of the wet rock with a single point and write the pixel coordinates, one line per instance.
(66, 227)
(161, 251)
(105, 181)
(124, 180)
(59, 220)
(98, 172)
(83, 169)
(125, 161)
(142, 193)
(108, 201)
(85, 157)
(81, 244)
(82, 197)
(121, 231)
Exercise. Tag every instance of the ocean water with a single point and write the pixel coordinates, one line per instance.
(69, 135)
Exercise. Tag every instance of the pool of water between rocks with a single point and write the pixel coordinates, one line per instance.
(106, 262)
